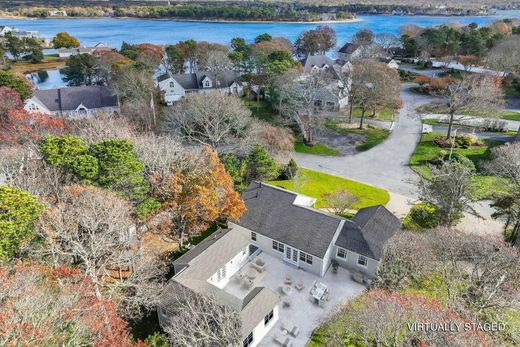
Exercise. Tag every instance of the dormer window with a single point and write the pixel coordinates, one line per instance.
(172, 84)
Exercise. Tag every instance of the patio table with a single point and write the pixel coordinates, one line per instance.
(286, 289)
(251, 273)
(318, 291)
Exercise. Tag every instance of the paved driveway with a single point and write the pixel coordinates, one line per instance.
(385, 165)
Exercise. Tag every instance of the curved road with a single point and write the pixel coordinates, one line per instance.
(385, 165)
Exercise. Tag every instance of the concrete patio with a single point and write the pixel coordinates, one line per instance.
(303, 312)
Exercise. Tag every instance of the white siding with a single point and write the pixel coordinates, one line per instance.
(230, 269)
(352, 262)
(261, 329)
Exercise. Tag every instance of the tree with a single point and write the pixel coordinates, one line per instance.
(193, 200)
(33, 50)
(477, 273)
(9, 100)
(364, 37)
(374, 85)
(383, 318)
(64, 40)
(263, 37)
(340, 201)
(138, 95)
(477, 94)
(260, 165)
(81, 69)
(199, 320)
(45, 306)
(18, 213)
(387, 42)
(149, 55)
(505, 163)
(449, 190)
(315, 41)
(235, 168)
(174, 61)
(21, 85)
(505, 56)
(213, 119)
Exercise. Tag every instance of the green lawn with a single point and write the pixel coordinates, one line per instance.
(386, 113)
(315, 184)
(374, 136)
(427, 150)
(510, 115)
(317, 149)
(261, 110)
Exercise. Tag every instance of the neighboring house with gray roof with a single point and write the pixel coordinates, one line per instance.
(175, 87)
(334, 96)
(67, 52)
(73, 102)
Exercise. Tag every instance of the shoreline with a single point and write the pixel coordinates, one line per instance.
(350, 20)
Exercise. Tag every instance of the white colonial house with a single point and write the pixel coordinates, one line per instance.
(73, 102)
(230, 266)
(175, 87)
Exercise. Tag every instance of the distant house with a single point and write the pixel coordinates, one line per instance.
(57, 13)
(334, 96)
(5, 29)
(175, 87)
(67, 52)
(17, 32)
(348, 51)
(230, 265)
(73, 102)
(352, 51)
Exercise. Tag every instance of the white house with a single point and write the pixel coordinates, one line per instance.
(57, 13)
(67, 52)
(175, 87)
(5, 29)
(73, 102)
(283, 225)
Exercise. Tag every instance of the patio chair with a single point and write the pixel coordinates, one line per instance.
(299, 286)
(286, 302)
(358, 276)
(258, 264)
(291, 328)
(288, 279)
(282, 340)
(247, 283)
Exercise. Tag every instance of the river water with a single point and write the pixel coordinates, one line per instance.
(114, 31)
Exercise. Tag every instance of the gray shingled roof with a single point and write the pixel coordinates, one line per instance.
(271, 212)
(348, 48)
(368, 231)
(194, 80)
(317, 60)
(68, 99)
(202, 262)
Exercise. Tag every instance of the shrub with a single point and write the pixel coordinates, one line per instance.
(495, 125)
(420, 217)
(290, 171)
(461, 141)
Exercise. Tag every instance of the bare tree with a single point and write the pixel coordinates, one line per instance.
(374, 85)
(213, 119)
(505, 56)
(199, 320)
(103, 126)
(476, 94)
(340, 201)
(387, 42)
(450, 190)
(310, 88)
(505, 163)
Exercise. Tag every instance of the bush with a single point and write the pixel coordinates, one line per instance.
(461, 141)
(495, 125)
(290, 171)
(420, 217)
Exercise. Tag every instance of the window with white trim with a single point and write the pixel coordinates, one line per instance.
(307, 258)
(172, 84)
(268, 318)
(278, 246)
(342, 253)
(253, 236)
(362, 261)
(248, 341)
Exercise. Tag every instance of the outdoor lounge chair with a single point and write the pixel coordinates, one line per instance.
(286, 302)
(247, 283)
(299, 286)
(358, 276)
(282, 340)
(258, 264)
(288, 279)
(291, 328)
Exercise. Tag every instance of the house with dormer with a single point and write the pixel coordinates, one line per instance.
(177, 86)
(73, 102)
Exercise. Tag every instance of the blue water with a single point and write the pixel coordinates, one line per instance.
(47, 79)
(114, 31)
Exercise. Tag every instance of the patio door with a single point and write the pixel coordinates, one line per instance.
(291, 255)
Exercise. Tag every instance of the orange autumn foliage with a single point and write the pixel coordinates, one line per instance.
(44, 306)
(194, 199)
